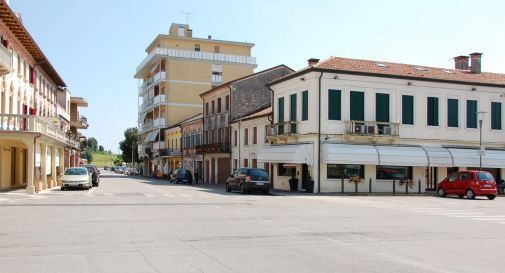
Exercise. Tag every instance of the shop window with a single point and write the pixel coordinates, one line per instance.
(451, 170)
(284, 170)
(339, 171)
(393, 172)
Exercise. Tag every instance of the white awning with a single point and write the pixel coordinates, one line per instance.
(142, 117)
(439, 157)
(402, 156)
(296, 153)
(153, 135)
(470, 158)
(349, 154)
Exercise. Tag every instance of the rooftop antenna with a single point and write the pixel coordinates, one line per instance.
(187, 16)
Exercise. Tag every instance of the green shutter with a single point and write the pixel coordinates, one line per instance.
(382, 107)
(432, 111)
(471, 114)
(281, 110)
(452, 113)
(334, 104)
(305, 105)
(496, 115)
(292, 107)
(357, 105)
(407, 109)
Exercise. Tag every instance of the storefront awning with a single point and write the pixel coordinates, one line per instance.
(439, 157)
(402, 156)
(350, 154)
(296, 153)
(154, 135)
(470, 158)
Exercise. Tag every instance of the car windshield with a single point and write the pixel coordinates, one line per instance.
(256, 173)
(78, 171)
(485, 176)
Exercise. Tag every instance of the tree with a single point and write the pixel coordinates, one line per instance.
(92, 144)
(88, 156)
(100, 148)
(118, 161)
(129, 144)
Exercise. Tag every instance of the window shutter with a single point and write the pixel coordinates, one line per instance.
(281, 110)
(382, 107)
(407, 109)
(432, 109)
(357, 105)
(334, 104)
(452, 113)
(292, 106)
(471, 114)
(305, 105)
(496, 115)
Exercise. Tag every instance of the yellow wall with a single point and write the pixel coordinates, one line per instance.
(205, 45)
(6, 147)
(173, 134)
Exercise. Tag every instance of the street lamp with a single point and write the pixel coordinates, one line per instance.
(481, 115)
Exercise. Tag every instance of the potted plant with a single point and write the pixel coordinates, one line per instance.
(293, 183)
(309, 184)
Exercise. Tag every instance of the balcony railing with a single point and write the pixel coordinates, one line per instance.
(158, 145)
(223, 147)
(154, 79)
(6, 60)
(283, 128)
(152, 102)
(372, 128)
(62, 112)
(170, 152)
(150, 124)
(27, 123)
(82, 123)
(197, 55)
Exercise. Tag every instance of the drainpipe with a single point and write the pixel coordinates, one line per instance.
(319, 138)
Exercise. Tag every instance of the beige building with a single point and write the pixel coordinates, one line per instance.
(35, 116)
(179, 67)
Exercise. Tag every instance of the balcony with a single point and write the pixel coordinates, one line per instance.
(144, 148)
(170, 152)
(6, 61)
(151, 81)
(82, 123)
(372, 128)
(223, 147)
(151, 124)
(282, 129)
(152, 102)
(62, 112)
(159, 53)
(46, 126)
(158, 145)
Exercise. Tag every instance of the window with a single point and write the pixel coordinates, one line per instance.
(334, 104)
(246, 136)
(305, 105)
(266, 166)
(235, 138)
(407, 109)
(452, 113)
(496, 115)
(452, 170)
(227, 103)
(471, 114)
(382, 107)
(207, 108)
(217, 77)
(180, 32)
(292, 107)
(344, 171)
(213, 107)
(280, 110)
(197, 47)
(219, 105)
(255, 135)
(285, 171)
(357, 105)
(246, 163)
(393, 172)
(235, 162)
(453, 177)
(216, 49)
(432, 110)
(255, 163)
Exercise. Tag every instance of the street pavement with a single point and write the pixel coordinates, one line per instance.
(132, 224)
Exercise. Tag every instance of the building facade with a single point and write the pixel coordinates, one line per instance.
(192, 131)
(35, 116)
(179, 67)
(248, 95)
(358, 125)
(248, 138)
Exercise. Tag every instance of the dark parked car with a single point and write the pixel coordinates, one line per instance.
(95, 174)
(181, 176)
(501, 186)
(247, 180)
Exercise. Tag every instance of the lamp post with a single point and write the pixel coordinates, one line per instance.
(481, 115)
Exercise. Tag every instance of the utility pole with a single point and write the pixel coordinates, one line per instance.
(481, 115)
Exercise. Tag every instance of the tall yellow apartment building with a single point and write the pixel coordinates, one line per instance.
(179, 67)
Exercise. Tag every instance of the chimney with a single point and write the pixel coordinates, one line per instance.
(476, 60)
(461, 62)
(312, 61)
(209, 37)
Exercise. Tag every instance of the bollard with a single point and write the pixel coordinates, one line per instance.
(342, 185)
(355, 187)
(407, 187)
(419, 185)
(394, 186)
(370, 185)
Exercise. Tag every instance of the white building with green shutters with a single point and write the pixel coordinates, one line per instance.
(358, 125)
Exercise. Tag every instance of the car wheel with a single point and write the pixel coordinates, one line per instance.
(242, 189)
(441, 192)
(228, 189)
(470, 194)
(62, 188)
(491, 197)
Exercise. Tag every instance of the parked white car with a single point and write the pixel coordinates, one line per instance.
(77, 177)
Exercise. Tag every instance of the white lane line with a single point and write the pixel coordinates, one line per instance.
(337, 241)
(297, 229)
(168, 195)
(3, 199)
(487, 219)
(185, 195)
(92, 190)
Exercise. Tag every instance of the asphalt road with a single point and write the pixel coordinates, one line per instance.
(141, 225)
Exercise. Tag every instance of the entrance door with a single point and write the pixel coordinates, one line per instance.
(212, 171)
(25, 166)
(13, 166)
(305, 175)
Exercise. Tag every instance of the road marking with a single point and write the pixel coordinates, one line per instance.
(297, 229)
(487, 219)
(185, 195)
(337, 241)
(168, 195)
(92, 190)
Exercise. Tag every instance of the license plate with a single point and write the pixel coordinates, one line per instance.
(260, 183)
(487, 186)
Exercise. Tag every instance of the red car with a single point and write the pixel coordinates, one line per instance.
(469, 184)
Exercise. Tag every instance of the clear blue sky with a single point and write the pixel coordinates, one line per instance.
(96, 45)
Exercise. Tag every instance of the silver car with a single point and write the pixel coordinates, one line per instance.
(77, 177)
